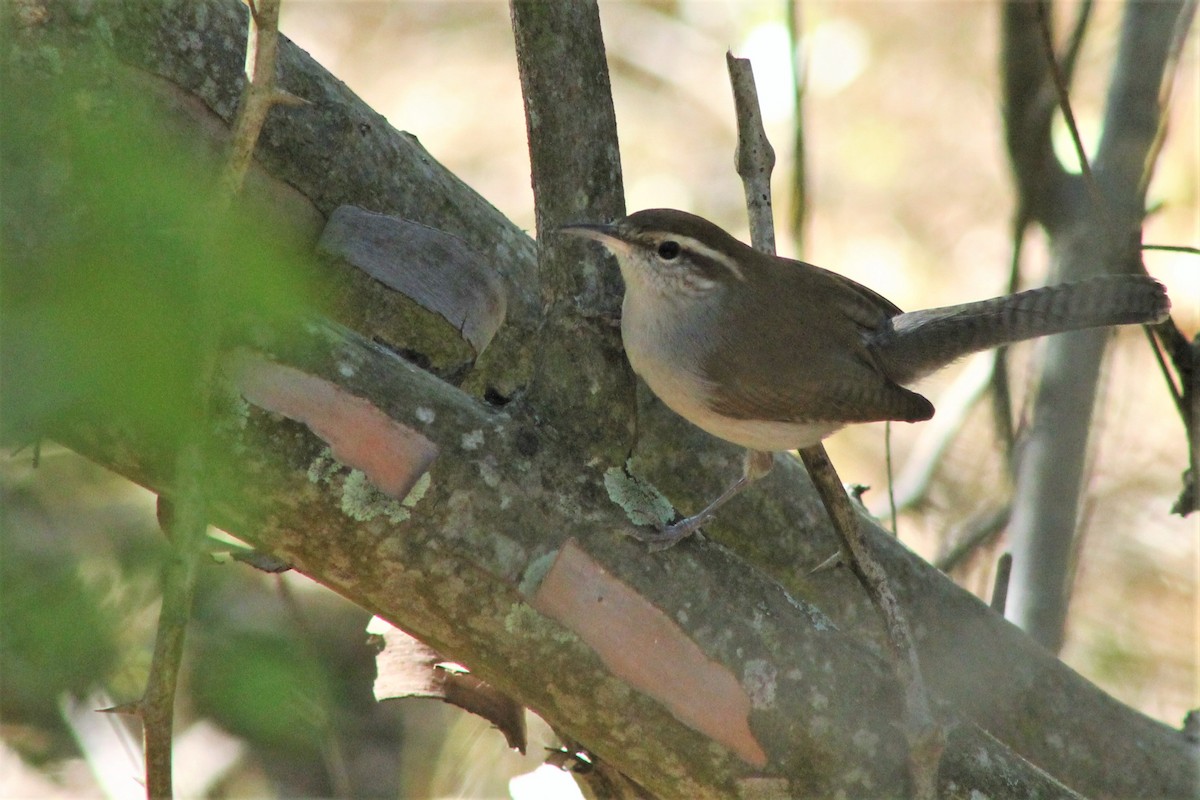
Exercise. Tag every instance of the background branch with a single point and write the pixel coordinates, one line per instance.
(1086, 238)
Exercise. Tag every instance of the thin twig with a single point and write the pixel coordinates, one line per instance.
(184, 515)
(1075, 42)
(1064, 105)
(754, 158)
(1000, 583)
(1173, 248)
(258, 95)
(1156, 348)
(926, 739)
(184, 524)
(977, 532)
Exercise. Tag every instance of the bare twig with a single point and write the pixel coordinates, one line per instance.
(258, 95)
(754, 158)
(1075, 43)
(1000, 583)
(184, 515)
(926, 740)
(1173, 248)
(977, 532)
(1064, 104)
(184, 522)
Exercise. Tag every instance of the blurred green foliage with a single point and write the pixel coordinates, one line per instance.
(58, 635)
(119, 267)
(116, 260)
(265, 687)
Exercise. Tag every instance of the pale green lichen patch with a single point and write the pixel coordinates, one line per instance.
(417, 492)
(522, 619)
(815, 615)
(322, 467)
(642, 502)
(536, 570)
(360, 499)
(363, 502)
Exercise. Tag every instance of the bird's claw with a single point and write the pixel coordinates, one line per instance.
(665, 537)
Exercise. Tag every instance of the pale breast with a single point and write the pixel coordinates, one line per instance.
(663, 350)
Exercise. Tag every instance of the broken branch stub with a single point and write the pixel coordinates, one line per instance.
(446, 302)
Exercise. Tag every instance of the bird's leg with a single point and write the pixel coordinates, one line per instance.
(757, 463)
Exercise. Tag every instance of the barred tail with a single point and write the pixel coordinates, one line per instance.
(920, 342)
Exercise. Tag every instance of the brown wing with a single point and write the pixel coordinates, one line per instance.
(804, 360)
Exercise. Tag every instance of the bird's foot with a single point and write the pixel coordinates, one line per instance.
(664, 538)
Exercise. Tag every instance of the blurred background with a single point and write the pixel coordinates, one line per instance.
(908, 192)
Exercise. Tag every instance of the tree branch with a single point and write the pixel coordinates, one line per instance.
(325, 405)
(754, 161)
(576, 175)
(1087, 238)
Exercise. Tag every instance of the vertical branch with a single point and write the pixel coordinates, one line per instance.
(183, 515)
(754, 158)
(926, 741)
(1084, 241)
(799, 63)
(576, 172)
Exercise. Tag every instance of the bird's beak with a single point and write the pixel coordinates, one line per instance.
(604, 234)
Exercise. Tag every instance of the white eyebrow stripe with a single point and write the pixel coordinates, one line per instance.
(701, 249)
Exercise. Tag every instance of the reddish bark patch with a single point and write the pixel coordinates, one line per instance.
(359, 434)
(643, 647)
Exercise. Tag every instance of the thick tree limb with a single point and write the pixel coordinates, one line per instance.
(784, 692)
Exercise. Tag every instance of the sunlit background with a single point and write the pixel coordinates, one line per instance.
(908, 192)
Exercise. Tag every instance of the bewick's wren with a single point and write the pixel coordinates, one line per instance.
(775, 354)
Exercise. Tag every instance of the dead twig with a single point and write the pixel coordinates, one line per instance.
(926, 740)
(1000, 583)
(258, 96)
(184, 515)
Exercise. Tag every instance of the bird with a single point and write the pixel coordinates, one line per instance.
(775, 354)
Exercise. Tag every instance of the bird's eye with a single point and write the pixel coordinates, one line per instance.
(668, 250)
